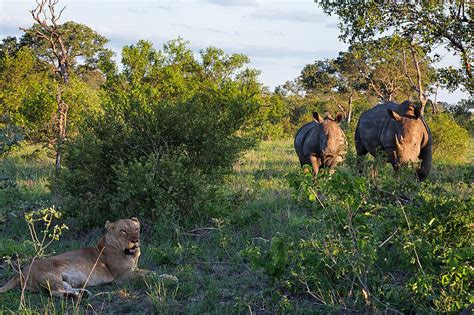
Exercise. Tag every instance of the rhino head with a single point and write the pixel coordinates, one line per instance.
(408, 135)
(332, 139)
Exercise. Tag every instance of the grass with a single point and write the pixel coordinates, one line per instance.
(214, 275)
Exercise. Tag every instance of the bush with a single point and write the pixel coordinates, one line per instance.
(461, 114)
(450, 140)
(375, 245)
(271, 122)
(29, 95)
(171, 128)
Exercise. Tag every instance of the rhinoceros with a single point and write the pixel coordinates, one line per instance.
(321, 143)
(399, 130)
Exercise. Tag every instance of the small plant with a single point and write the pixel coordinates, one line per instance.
(162, 291)
(376, 243)
(40, 239)
(44, 238)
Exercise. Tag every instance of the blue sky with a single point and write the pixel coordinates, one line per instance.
(279, 36)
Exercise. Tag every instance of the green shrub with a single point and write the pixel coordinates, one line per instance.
(271, 120)
(450, 140)
(461, 114)
(171, 128)
(380, 245)
(28, 96)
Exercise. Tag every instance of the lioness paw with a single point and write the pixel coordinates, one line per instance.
(168, 278)
(85, 293)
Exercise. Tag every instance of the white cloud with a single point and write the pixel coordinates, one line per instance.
(235, 3)
(290, 16)
(279, 36)
(147, 8)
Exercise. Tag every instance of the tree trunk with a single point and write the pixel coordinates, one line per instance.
(62, 124)
(421, 92)
(423, 101)
(390, 96)
(349, 114)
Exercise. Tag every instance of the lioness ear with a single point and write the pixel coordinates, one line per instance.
(339, 117)
(394, 115)
(134, 219)
(317, 118)
(109, 225)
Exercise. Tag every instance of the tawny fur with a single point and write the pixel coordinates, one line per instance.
(114, 259)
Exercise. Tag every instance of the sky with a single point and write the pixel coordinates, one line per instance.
(279, 36)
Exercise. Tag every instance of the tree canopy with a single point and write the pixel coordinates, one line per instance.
(429, 24)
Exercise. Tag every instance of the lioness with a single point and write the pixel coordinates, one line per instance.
(114, 258)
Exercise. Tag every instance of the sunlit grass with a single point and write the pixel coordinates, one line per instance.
(257, 203)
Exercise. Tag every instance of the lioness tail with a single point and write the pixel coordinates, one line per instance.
(13, 282)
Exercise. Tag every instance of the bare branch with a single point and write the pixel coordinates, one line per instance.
(421, 92)
(376, 90)
(61, 12)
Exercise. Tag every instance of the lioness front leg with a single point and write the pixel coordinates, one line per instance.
(142, 275)
(134, 275)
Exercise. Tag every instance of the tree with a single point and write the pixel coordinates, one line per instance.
(28, 93)
(426, 24)
(333, 79)
(9, 46)
(379, 67)
(389, 73)
(171, 127)
(61, 45)
(25, 93)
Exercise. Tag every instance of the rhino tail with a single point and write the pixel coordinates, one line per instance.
(13, 282)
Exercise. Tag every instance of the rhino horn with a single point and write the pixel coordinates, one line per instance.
(396, 141)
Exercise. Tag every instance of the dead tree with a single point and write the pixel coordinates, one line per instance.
(418, 86)
(46, 16)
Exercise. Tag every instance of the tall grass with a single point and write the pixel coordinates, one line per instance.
(260, 214)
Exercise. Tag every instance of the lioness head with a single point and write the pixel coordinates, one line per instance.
(124, 235)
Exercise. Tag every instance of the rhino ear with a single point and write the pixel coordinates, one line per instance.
(417, 112)
(339, 117)
(317, 118)
(394, 115)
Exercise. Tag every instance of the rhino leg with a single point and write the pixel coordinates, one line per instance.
(360, 160)
(315, 164)
(360, 150)
(425, 157)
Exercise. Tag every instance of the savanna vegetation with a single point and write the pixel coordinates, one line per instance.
(201, 152)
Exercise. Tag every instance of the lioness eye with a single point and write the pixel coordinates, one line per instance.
(123, 231)
(136, 230)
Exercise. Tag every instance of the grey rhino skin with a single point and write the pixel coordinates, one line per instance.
(399, 130)
(321, 143)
